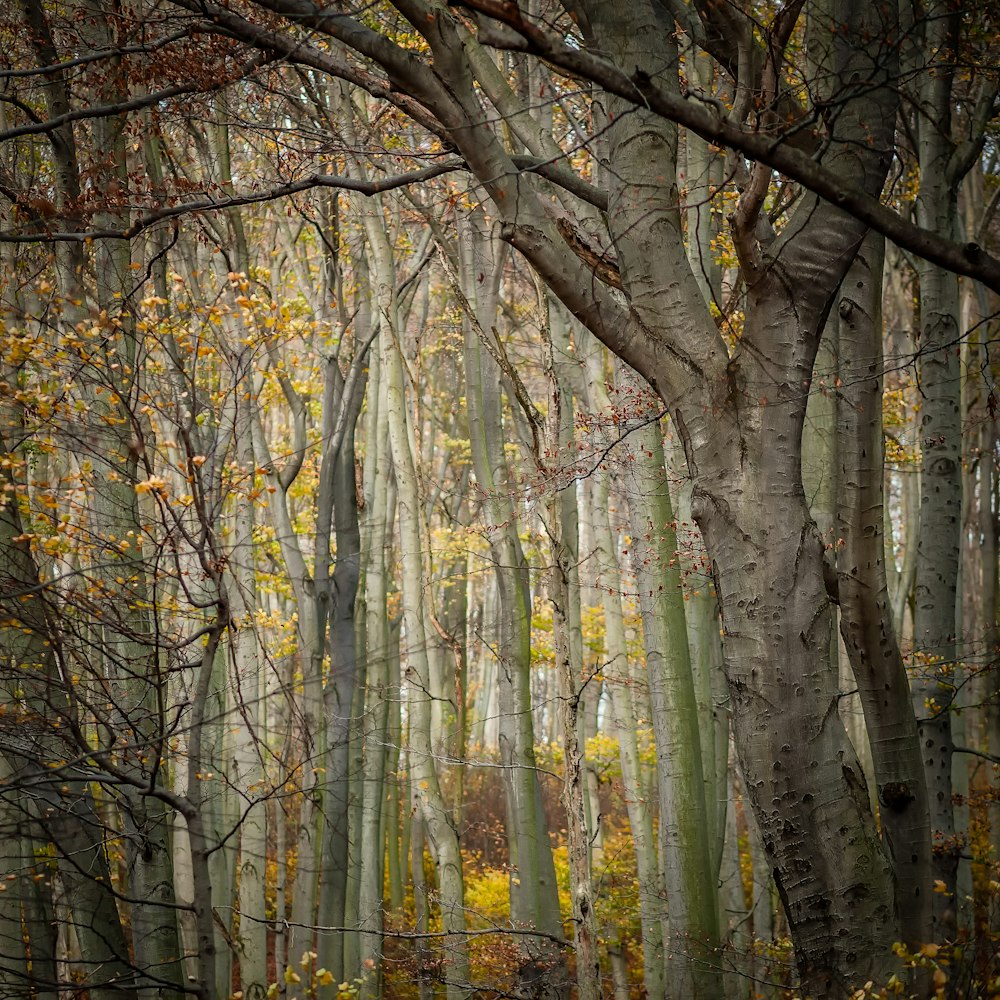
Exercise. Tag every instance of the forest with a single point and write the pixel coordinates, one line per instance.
(499, 499)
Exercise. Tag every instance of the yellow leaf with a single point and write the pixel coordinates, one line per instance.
(153, 484)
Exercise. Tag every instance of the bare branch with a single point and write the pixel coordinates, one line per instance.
(217, 204)
(116, 53)
(122, 107)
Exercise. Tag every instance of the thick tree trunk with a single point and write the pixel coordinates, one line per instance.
(803, 779)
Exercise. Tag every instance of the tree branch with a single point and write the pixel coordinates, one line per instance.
(117, 53)
(772, 149)
(977, 753)
(216, 204)
(527, 164)
(122, 107)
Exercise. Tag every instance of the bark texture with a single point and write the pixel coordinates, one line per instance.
(865, 613)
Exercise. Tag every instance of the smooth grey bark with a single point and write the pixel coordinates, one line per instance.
(938, 545)
(740, 419)
(690, 874)
(207, 813)
(561, 525)
(337, 593)
(701, 175)
(701, 612)
(424, 956)
(394, 815)
(624, 711)
(738, 956)
(246, 715)
(821, 478)
(865, 620)
(374, 528)
(213, 850)
(569, 374)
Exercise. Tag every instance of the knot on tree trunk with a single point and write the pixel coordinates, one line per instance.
(896, 795)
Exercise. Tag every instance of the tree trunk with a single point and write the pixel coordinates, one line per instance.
(690, 877)
(372, 848)
(623, 709)
(866, 622)
(938, 541)
(246, 710)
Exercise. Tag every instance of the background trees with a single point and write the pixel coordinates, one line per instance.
(330, 524)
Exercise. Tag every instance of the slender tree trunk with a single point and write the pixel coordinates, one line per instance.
(938, 541)
(689, 877)
(866, 622)
(374, 830)
(247, 708)
(561, 526)
(338, 496)
(624, 712)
